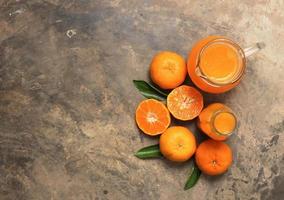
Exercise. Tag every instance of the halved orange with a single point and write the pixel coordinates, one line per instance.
(185, 102)
(152, 117)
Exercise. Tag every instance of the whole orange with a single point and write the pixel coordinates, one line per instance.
(177, 143)
(168, 70)
(213, 157)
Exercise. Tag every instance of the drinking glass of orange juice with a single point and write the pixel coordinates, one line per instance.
(216, 64)
(217, 121)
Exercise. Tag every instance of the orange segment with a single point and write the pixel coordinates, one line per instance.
(185, 102)
(152, 117)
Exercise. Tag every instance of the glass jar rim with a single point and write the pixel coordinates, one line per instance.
(239, 73)
(213, 120)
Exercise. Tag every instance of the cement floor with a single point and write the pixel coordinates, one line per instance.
(67, 101)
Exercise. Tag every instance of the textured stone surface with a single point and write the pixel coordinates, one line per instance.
(67, 101)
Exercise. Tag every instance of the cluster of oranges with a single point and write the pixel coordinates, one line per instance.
(168, 70)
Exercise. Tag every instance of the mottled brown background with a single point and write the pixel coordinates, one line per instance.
(67, 103)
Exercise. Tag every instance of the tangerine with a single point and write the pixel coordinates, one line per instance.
(213, 157)
(177, 143)
(185, 102)
(152, 117)
(168, 70)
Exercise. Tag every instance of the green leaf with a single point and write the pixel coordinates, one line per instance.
(152, 151)
(193, 178)
(149, 91)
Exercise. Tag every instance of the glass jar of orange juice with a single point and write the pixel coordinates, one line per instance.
(216, 64)
(217, 121)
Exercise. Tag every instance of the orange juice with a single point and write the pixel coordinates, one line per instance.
(216, 64)
(217, 121)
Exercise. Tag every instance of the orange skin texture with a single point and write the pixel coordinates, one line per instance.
(213, 157)
(177, 144)
(191, 66)
(168, 70)
(152, 117)
(185, 102)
